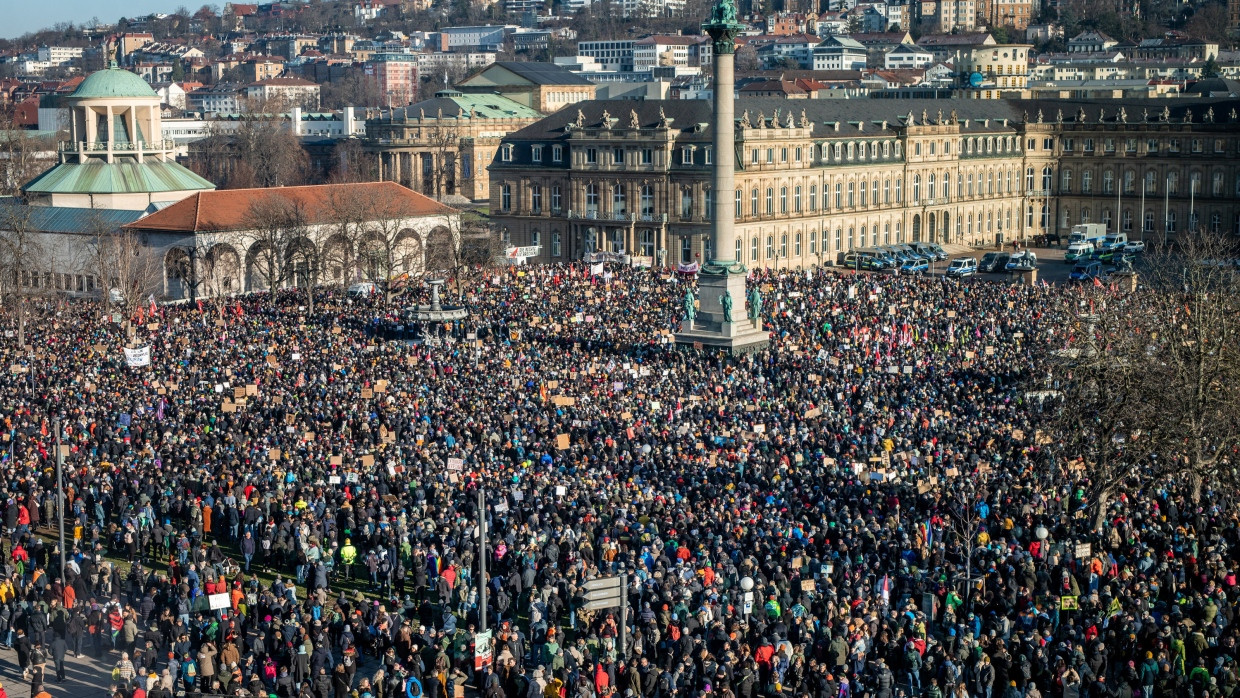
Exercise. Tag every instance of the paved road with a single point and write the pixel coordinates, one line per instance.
(85, 678)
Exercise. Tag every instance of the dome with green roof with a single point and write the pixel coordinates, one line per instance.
(113, 82)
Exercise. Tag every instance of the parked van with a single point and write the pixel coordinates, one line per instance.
(364, 289)
(1078, 251)
(1114, 240)
(866, 261)
(961, 267)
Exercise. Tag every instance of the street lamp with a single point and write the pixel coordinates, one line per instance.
(747, 587)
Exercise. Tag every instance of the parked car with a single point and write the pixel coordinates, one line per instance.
(994, 261)
(1022, 261)
(961, 267)
(1134, 247)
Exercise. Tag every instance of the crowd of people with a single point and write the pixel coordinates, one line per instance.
(286, 502)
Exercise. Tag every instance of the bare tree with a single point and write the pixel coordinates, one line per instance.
(963, 519)
(1099, 399)
(260, 152)
(386, 246)
(130, 273)
(348, 214)
(268, 239)
(445, 144)
(23, 155)
(22, 256)
(1192, 297)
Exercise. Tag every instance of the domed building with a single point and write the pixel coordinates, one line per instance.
(115, 157)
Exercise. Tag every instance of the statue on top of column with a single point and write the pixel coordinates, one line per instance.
(723, 12)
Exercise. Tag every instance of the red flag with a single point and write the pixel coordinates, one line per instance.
(238, 309)
(199, 302)
(1097, 283)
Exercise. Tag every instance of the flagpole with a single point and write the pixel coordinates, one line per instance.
(60, 501)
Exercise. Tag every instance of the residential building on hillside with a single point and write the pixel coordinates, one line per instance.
(995, 71)
(907, 56)
(816, 178)
(1014, 14)
(1091, 41)
(394, 76)
(655, 51)
(286, 92)
(839, 53)
(59, 55)
(615, 56)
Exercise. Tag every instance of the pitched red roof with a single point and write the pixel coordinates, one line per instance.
(223, 210)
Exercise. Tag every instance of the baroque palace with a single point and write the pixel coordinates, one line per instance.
(816, 178)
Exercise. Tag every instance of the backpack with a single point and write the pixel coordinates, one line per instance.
(673, 632)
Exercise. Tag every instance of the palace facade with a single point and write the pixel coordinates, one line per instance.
(816, 178)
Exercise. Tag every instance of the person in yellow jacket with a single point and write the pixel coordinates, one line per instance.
(348, 555)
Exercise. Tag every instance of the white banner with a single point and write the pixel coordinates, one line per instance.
(596, 269)
(136, 358)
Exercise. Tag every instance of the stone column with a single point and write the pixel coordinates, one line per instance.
(723, 321)
(723, 175)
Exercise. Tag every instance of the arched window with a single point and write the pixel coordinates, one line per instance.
(619, 202)
(770, 202)
(916, 189)
(753, 202)
(783, 199)
(865, 197)
(796, 199)
(647, 200)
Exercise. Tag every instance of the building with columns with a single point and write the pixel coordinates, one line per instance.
(442, 146)
(816, 178)
(115, 157)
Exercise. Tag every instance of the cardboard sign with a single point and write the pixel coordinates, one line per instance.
(239, 392)
(336, 460)
(456, 464)
(251, 390)
(274, 454)
(807, 585)
(562, 441)
(561, 401)
(816, 412)
(1083, 550)
(368, 461)
(367, 393)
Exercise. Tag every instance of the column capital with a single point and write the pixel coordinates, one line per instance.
(723, 27)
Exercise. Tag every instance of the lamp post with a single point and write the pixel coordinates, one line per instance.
(747, 587)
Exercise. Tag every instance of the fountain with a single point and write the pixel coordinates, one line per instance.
(436, 312)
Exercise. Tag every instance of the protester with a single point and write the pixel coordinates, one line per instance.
(286, 502)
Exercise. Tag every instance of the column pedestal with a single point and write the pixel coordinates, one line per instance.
(711, 328)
